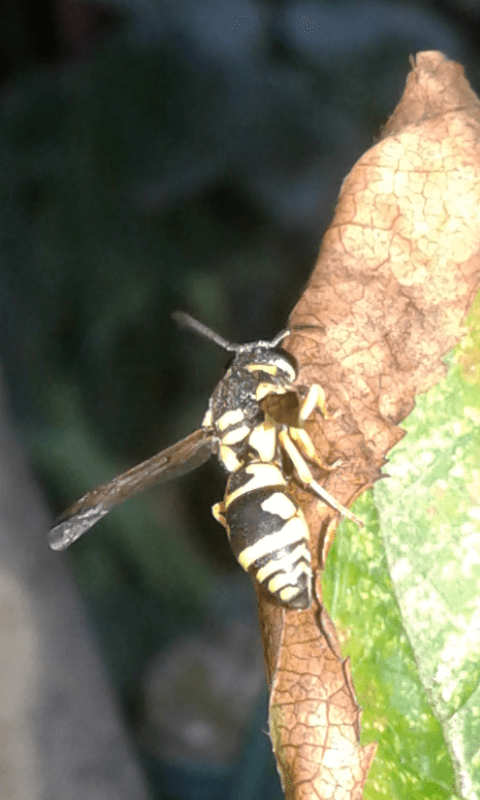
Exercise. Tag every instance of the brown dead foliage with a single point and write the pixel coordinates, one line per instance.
(397, 271)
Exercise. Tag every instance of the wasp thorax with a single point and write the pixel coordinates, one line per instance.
(235, 409)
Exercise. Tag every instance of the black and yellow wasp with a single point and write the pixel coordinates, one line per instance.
(266, 529)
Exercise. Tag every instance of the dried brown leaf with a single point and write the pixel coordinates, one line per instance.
(397, 272)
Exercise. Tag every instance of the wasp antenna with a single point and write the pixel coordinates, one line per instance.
(306, 328)
(280, 337)
(189, 322)
(261, 344)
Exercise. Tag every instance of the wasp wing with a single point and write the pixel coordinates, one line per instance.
(185, 455)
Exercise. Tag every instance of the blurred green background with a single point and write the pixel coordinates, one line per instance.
(160, 156)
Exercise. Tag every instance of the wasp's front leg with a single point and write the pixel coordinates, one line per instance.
(315, 398)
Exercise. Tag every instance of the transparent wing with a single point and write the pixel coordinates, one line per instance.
(185, 455)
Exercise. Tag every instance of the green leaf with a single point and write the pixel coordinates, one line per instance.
(404, 594)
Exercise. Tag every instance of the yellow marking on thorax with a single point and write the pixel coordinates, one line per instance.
(270, 369)
(235, 436)
(230, 418)
(263, 439)
(229, 459)
(207, 421)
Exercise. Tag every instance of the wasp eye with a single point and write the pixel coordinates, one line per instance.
(286, 363)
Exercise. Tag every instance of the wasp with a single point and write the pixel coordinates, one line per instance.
(265, 526)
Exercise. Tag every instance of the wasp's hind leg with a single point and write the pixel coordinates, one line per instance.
(303, 443)
(303, 471)
(218, 511)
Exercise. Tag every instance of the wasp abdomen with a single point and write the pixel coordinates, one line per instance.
(268, 533)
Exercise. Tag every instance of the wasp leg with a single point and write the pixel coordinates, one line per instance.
(315, 398)
(304, 443)
(303, 472)
(218, 511)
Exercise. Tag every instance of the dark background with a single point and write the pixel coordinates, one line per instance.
(159, 156)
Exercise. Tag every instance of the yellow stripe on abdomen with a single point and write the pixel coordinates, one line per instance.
(291, 533)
